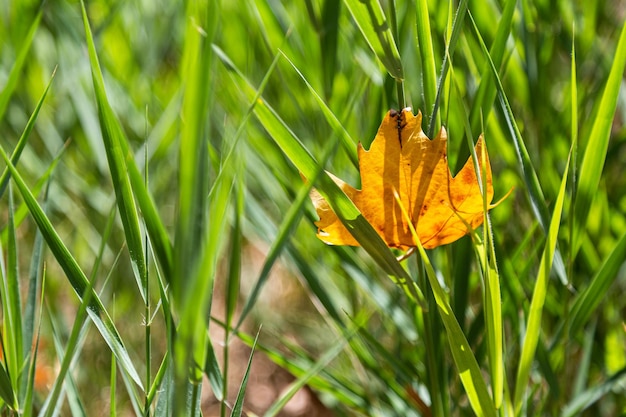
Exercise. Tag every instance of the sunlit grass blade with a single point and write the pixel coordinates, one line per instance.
(533, 327)
(574, 160)
(35, 272)
(74, 274)
(347, 142)
(375, 27)
(345, 209)
(487, 90)
(238, 406)
(112, 136)
(427, 57)
(18, 66)
(6, 388)
(597, 144)
(459, 19)
(21, 143)
(527, 168)
(590, 298)
(465, 361)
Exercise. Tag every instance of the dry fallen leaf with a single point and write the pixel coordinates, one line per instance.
(402, 158)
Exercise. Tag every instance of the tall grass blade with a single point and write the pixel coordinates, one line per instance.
(533, 328)
(238, 406)
(375, 28)
(486, 90)
(112, 136)
(12, 305)
(597, 145)
(200, 220)
(535, 193)
(329, 36)
(465, 361)
(457, 26)
(74, 274)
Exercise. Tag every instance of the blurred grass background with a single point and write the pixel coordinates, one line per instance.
(316, 294)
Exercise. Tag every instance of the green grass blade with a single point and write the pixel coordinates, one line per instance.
(21, 143)
(531, 179)
(590, 298)
(12, 305)
(74, 274)
(238, 406)
(486, 90)
(427, 57)
(213, 372)
(574, 161)
(18, 66)
(466, 364)
(201, 220)
(113, 136)
(597, 145)
(329, 35)
(6, 388)
(465, 361)
(371, 20)
(113, 388)
(533, 328)
(459, 19)
(347, 142)
(345, 209)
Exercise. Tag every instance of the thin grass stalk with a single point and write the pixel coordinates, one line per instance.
(432, 342)
(427, 59)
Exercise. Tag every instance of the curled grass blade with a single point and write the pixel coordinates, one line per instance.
(375, 28)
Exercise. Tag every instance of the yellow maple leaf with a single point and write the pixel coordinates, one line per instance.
(402, 159)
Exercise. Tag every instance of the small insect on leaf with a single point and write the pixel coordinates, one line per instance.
(402, 158)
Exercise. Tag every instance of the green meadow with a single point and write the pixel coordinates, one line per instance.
(158, 241)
